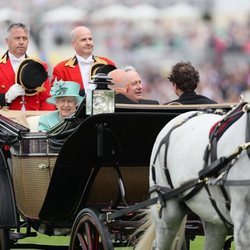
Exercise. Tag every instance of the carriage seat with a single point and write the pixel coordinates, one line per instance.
(28, 119)
(33, 122)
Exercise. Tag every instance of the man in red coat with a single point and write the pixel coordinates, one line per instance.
(83, 65)
(12, 94)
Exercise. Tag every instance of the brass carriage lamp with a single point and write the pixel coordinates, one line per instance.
(100, 99)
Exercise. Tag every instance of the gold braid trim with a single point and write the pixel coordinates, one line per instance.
(4, 59)
(71, 62)
(98, 63)
(99, 60)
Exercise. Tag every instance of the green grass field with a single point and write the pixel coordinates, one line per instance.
(196, 244)
(44, 239)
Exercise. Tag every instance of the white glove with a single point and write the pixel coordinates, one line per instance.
(14, 91)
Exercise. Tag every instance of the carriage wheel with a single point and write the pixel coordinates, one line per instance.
(89, 233)
(4, 239)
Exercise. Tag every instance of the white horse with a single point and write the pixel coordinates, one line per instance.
(184, 160)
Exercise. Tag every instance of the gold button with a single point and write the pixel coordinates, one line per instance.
(3, 86)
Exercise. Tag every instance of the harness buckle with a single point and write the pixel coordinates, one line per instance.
(246, 145)
(206, 180)
(200, 180)
(108, 217)
(158, 207)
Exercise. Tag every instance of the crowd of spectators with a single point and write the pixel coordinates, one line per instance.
(221, 54)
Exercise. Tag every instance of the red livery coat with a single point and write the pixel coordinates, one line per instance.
(34, 102)
(69, 70)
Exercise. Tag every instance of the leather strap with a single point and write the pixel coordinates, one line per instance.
(165, 141)
(248, 131)
(230, 182)
(165, 196)
(227, 224)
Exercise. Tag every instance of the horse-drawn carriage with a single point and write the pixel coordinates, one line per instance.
(83, 178)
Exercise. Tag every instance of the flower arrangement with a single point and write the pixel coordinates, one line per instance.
(58, 88)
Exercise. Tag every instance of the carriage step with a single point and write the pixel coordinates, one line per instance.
(18, 235)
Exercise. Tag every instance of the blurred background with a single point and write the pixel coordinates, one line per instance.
(151, 35)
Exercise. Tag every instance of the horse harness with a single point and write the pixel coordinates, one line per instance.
(214, 173)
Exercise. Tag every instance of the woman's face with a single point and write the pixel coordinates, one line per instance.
(66, 105)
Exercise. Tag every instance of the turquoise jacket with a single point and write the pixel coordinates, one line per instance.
(46, 122)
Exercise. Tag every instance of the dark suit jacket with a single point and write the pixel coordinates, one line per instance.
(120, 98)
(148, 101)
(192, 98)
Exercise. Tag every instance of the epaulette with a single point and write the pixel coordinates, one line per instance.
(71, 62)
(101, 59)
(36, 59)
(4, 59)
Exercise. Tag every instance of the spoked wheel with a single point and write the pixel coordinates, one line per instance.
(4, 239)
(89, 233)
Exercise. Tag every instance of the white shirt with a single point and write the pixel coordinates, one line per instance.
(15, 61)
(15, 64)
(85, 66)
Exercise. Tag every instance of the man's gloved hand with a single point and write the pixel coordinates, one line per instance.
(14, 91)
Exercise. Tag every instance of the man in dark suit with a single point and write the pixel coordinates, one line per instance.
(185, 79)
(127, 85)
(133, 86)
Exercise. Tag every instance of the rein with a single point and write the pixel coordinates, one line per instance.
(166, 194)
(221, 179)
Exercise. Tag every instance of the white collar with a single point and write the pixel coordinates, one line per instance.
(13, 58)
(82, 60)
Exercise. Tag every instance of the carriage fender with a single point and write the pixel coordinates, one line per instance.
(8, 212)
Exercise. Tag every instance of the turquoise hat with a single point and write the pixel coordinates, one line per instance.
(64, 88)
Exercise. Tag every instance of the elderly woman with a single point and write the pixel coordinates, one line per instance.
(65, 95)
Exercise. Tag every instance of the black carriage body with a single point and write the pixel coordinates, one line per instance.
(117, 140)
(104, 143)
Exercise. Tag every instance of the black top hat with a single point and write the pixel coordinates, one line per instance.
(31, 74)
(101, 68)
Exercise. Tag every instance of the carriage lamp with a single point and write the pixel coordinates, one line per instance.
(99, 98)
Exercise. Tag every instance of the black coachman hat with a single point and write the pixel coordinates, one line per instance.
(105, 69)
(101, 68)
(31, 74)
